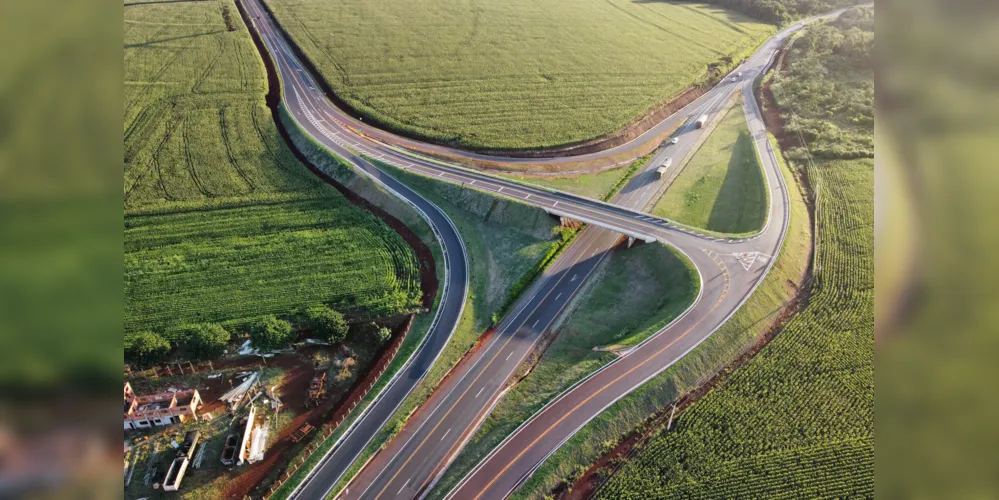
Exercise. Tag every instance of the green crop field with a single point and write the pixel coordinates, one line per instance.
(721, 188)
(513, 74)
(244, 261)
(798, 420)
(222, 223)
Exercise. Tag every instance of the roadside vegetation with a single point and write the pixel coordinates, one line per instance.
(782, 12)
(826, 93)
(721, 188)
(224, 228)
(798, 419)
(513, 74)
(636, 292)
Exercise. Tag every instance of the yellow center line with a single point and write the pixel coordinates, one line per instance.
(481, 373)
(595, 394)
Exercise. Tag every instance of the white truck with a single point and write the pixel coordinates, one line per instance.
(701, 121)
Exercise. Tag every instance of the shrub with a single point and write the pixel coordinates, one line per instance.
(326, 323)
(271, 333)
(146, 348)
(383, 335)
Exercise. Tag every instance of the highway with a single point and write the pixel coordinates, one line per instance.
(729, 270)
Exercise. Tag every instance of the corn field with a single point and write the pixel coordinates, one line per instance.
(222, 223)
(513, 73)
(798, 420)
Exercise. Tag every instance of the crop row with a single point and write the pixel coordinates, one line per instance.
(196, 126)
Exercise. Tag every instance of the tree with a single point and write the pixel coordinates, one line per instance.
(271, 333)
(207, 341)
(327, 323)
(146, 348)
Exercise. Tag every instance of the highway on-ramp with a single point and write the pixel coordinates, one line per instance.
(729, 270)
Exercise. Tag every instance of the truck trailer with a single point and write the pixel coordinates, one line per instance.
(661, 169)
(701, 121)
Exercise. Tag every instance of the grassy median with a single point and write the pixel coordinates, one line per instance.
(636, 293)
(721, 188)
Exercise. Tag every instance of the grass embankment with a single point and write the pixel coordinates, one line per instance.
(223, 224)
(721, 188)
(637, 292)
(513, 74)
(798, 419)
(737, 335)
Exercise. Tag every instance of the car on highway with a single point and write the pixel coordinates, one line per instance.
(674, 140)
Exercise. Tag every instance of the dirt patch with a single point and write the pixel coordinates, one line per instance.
(298, 370)
(259, 477)
(771, 115)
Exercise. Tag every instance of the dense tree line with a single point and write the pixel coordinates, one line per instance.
(826, 94)
(207, 341)
(782, 12)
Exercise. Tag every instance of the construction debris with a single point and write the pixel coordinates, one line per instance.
(199, 457)
(235, 396)
(258, 442)
(317, 389)
(229, 451)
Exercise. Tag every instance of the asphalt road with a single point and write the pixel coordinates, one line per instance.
(729, 271)
(449, 309)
